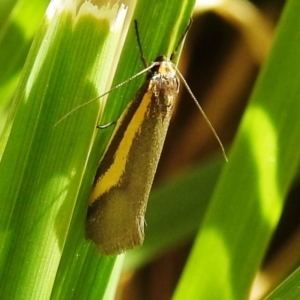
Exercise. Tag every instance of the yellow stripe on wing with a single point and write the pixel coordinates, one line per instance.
(116, 170)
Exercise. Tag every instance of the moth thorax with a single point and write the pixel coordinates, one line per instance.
(166, 69)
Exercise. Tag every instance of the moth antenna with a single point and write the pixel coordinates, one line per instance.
(202, 112)
(139, 43)
(114, 88)
(181, 39)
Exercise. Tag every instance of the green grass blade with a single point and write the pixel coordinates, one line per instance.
(16, 34)
(90, 281)
(250, 196)
(42, 166)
